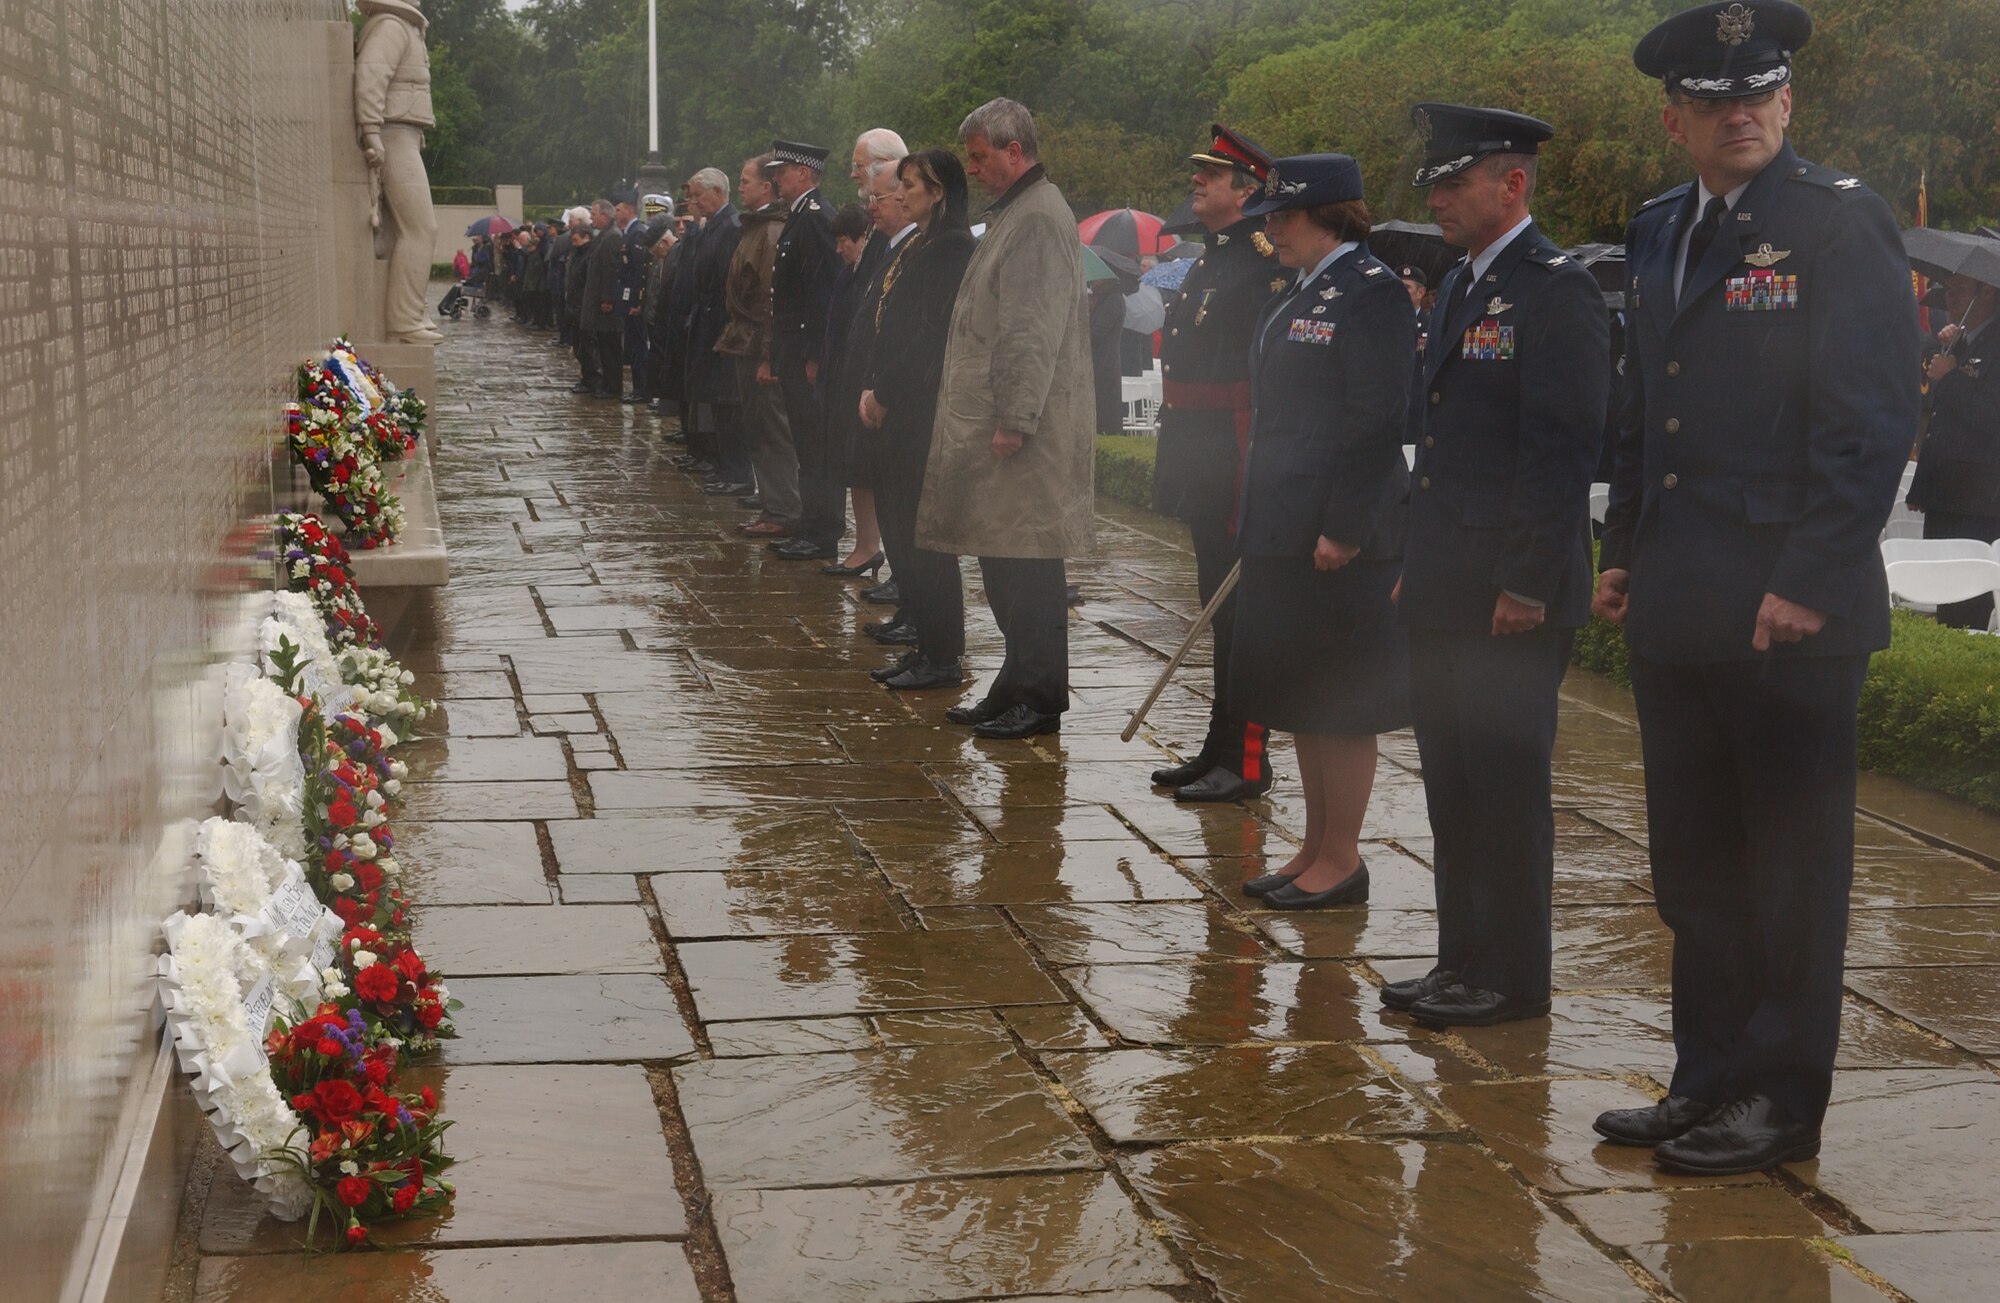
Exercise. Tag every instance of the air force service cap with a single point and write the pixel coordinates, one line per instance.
(1232, 149)
(1456, 136)
(1306, 181)
(1725, 51)
(791, 151)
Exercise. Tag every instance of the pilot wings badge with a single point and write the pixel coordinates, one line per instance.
(1496, 305)
(1765, 256)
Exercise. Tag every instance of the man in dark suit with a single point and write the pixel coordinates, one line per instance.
(710, 377)
(1957, 485)
(1496, 569)
(634, 257)
(603, 306)
(1205, 428)
(1773, 359)
(802, 277)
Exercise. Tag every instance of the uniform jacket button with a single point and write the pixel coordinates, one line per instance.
(1671, 480)
(1175, 331)
(1424, 483)
(1673, 368)
(1430, 442)
(1436, 397)
(1673, 425)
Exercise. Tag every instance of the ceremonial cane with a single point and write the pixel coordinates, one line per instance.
(1206, 618)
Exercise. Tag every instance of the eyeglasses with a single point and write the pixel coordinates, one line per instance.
(1716, 108)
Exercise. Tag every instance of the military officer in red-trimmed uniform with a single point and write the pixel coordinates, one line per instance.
(1204, 426)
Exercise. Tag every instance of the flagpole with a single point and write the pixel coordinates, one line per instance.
(653, 78)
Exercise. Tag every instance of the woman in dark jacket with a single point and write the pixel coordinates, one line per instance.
(1318, 651)
(912, 320)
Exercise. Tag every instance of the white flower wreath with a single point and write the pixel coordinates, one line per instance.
(266, 898)
(295, 618)
(262, 772)
(217, 994)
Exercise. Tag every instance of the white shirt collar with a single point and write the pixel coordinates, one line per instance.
(1702, 194)
(800, 200)
(1492, 252)
(1320, 267)
(901, 235)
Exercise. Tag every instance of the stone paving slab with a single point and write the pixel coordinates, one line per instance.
(473, 863)
(774, 902)
(483, 941)
(633, 1272)
(1718, 1271)
(871, 972)
(1949, 1267)
(619, 1018)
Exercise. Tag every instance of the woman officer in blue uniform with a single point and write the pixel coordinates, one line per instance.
(1318, 652)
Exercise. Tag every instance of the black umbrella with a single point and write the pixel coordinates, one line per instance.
(1182, 220)
(1606, 262)
(1944, 254)
(1413, 244)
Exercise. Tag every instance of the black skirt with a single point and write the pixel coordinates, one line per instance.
(1319, 651)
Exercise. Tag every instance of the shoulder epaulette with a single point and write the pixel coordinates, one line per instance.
(1826, 178)
(1677, 192)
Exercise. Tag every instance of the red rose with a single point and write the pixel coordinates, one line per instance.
(430, 1015)
(334, 1102)
(411, 965)
(428, 1096)
(368, 876)
(403, 1198)
(340, 811)
(302, 1102)
(379, 1102)
(327, 1046)
(376, 982)
(356, 1234)
(367, 938)
(352, 1190)
(376, 1071)
(350, 911)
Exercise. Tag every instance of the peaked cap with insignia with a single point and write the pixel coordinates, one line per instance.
(791, 151)
(1306, 181)
(1725, 51)
(1233, 149)
(1457, 135)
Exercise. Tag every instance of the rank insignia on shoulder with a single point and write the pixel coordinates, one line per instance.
(1496, 305)
(1372, 271)
(1559, 260)
(1765, 256)
(1262, 244)
(1846, 183)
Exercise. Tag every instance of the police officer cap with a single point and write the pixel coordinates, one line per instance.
(1232, 149)
(1306, 181)
(1725, 51)
(1413, 274)
(791, 151)
(1456, 136)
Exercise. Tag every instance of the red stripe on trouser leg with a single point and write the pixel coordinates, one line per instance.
(1253, 753)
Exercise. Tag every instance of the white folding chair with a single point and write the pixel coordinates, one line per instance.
(1936, 549)
(1904, 528)
(1931, 584)
(1600, 502)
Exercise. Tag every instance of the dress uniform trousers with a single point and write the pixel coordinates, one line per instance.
(1750, 799)
(822, 498)
(1030, 604)
(1485, 715)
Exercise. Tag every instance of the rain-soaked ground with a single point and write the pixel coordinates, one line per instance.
(779, 988)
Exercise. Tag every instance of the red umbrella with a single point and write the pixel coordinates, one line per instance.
(1125, 230)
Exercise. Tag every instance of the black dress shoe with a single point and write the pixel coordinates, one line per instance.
(925, 674)
(583, 387)
(1220, 784)
(632, 400)
(681, 461)
(1019, 721)
(1401, 995)
(751, 502)
(1750, 1135)
(1184, 773)
(979, 712)
(895, 667)
(701, 466)
(1352, 890)
(806, 551)
(896, 634)
(868, 567)
(1470, 1006)
(1643, 1128)
(720, 488)
(883, 594)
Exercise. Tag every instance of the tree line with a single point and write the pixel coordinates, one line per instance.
(553, 94)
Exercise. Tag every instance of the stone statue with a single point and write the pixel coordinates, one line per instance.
(392, 108)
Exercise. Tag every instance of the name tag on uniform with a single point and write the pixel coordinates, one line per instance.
(1487, 341)
(1307, 331)
(1761, 291)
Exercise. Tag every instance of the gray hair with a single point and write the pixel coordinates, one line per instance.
(881, 145)
(710, 179)
(884, 168)
(600, 205)
(1003, 122)
(1498, 166)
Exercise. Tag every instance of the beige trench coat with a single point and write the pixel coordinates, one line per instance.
(1018, 358)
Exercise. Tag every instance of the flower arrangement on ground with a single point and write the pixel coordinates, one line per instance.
(345, 472)
(315, 563)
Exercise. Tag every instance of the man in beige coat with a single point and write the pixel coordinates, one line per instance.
(1012, 454)
(392, 110)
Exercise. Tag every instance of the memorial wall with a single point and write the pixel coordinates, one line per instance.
(165, 263)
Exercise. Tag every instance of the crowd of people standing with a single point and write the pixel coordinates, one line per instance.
(880, 352)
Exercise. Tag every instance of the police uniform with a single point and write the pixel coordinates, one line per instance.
(802, 276)
(1514, 382)
(1774, 397)
(1957, 485)
(1204, 428)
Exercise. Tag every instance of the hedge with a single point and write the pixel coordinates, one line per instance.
(1930, 706)
(477, 196)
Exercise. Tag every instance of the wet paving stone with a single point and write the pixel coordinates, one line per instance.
(1053, 1027)
(744, 1040)
(598, 889)
(746, 785)
(1351, 932)
(990, 1237)
(774, 902)
(1225, 1004)
(486, 760)
(1584, 1035)
(1061, 824)
(1367, 1219)
(1139, 933)
(1960, 1004)
(1611, 949)
(484, 941)
(1913, 1150)
(632, 1272)
(1034, 873)
(1905, 938)
(870, 972)
(425, 802)
(472, 863)
(1138, 1096)
(1686, 1216)
(476, 717)
(957, 1109)
(1721, 1271)
(705, 841)
(944, 1027)
(1949, 1267)
(618, 1018)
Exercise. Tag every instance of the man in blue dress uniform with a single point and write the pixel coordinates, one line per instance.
(802, 276)
(1496, 569)
(1773, 358)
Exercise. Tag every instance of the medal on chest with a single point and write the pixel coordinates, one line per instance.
(1763, 290)
(1304, 330)
(1487, 341)
(1201, 310)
